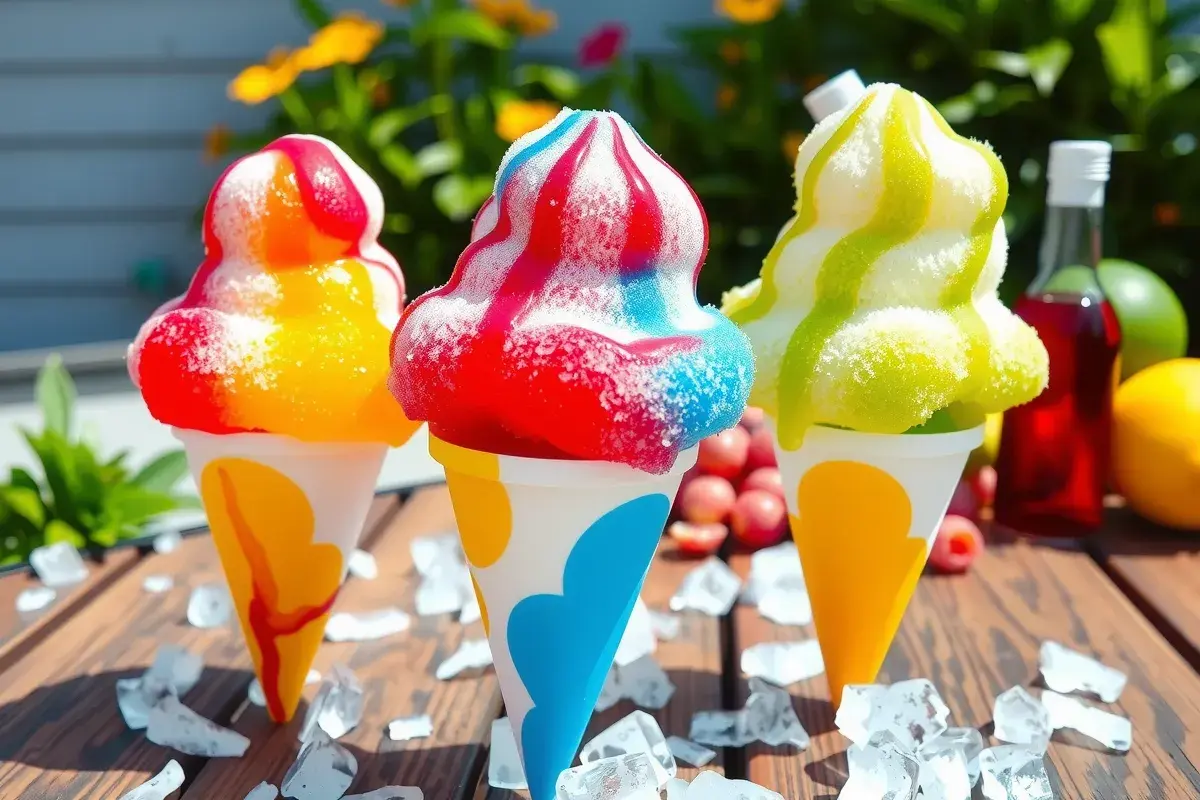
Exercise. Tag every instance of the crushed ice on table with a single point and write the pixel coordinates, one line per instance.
(883, 768)
(367, 626)
(58, 564)
(470, 610)
(209, 605)
(1020, 718)
(174, 671)
(767, 717)
(338, 707)
(264, 791)
(711, 588)
(945, 773)
(167, 541)
(402, 729)
(445, 585)
(644, 682)
(911, 710)
(324, 770)
(361, 565)
(160, 786)
(504, 764)
(175, 666)
(389, 793)
(254, 693)
(1065, 671)
(709, 785)
(172, 724)
(622, 777)
(695, 754)
(665, 625)
(430, 553)
(1112, 731)
(637, 733)
(969, 741)
(135, 698)
(35, 598)
(776, 586)
(783, 663)
(472, 654)
(676, 789)
(1014, 772)
(639, 639)
(157, 584)
(786, 605)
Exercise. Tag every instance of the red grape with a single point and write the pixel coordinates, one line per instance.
(759, 519)
(984, 484)
(958, 543)
(697, 540)
(766, 478)
(762, 449)
(964, 503)
(724, 454)
(706, 498)
(752, 418)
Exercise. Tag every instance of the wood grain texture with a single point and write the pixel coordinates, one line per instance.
(978, 635)
(398, 680)
(61, 734)
(1159, 569)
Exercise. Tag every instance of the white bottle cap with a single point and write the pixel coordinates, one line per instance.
(1077, 173)
(834, 94)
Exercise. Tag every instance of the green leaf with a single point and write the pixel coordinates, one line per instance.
(21, 477)
(562, 84)
(398, 160)
(351, 97)
(932, 13)
(59, 531)
(161, 474)
(957, 110)
(312, 12)
(55, 457)
(187, 502)
(1046, 64)
(460, 196)
(1127, 44)
(133, 505)
(106, 536)
(391, 123)
(461, 24)
(25, 502)
(56, 395)
(1071, 11)
(438, 158)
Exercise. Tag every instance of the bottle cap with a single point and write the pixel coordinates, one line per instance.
(834, 94)
(1077, 173)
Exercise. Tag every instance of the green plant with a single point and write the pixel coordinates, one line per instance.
(80, 497)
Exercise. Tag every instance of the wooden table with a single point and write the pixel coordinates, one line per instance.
(1132, 597)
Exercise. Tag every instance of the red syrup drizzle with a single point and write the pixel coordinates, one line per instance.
(266, 623)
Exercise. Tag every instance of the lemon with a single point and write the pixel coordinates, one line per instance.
(1156, 443)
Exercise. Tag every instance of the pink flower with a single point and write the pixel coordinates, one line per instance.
(602, 45)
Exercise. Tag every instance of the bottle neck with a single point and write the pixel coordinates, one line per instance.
(1071, 240)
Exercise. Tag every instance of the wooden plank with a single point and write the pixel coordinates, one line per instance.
(1159, 569)
(693, 661)
(978, 635)
(398, 680)
(61, 735)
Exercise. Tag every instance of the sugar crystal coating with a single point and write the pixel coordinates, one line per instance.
(285, 326)
(570, 326)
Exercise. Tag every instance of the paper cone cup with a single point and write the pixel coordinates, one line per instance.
(864, 511)
(285, 516)
(558, 552)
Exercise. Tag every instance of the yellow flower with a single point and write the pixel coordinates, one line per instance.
(519, 117)
(727, 95)
(216, 142)
(731, 52)
(261, 82)
(749, 12)
(790, 144)
(536, 22)
(519, 15)
(349, 39)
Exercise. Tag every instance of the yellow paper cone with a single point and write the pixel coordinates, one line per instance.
(285, 516)
(864, 510)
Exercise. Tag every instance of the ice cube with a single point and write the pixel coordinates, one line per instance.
(1065, 671)
(157, 584)
(361, 565)
(134, 704)
(721, 728)
(160, 786)
(968, 740)
(368, 626)
(884, 768)
(710, 785)
(389, 793)
(431, 553)
(944, 771)
(645, 683)
(1014, 772)
(470, 610)
(209, 605)
(504, 764)
(676, 789)
(638, 640)
(1110, 730)
(770, 717)
(783, 663)
(35, 598)
(472, 654)
(175, 666)
(610, 692)
(666, 626)
(623, 777)
(911, 710)
(402, 729)
(786, 605)
(167, 542)
(172, 724)
(254, 693)
(711, 588)
(264, 791)
(1020, 718)
(324, 770)
(338, 707)
(58, 564)
(772, 567)
(694, 754)
(636, 733)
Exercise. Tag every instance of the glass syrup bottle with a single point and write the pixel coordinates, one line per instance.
(1053, 465)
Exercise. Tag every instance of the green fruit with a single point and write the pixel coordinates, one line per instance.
(1153, 324)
